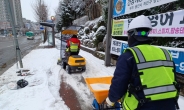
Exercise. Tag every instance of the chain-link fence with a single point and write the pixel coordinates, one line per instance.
(180, 78)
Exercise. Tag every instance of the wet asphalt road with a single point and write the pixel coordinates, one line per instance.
(8, 52)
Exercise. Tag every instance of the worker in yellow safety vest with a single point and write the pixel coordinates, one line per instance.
(144, 78)
(73, 46)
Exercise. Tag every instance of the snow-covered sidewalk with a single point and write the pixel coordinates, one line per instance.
(42, 92)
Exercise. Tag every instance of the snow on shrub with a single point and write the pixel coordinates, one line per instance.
(91, 35)
(80, 34)
(86, 30)
(100, 34)
(95, 27)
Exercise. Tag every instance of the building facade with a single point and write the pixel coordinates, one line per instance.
(16, 4)
(5, 18)
(3, 11)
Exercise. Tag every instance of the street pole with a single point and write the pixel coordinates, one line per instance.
(53, 32)
(108, 37)
(53, 37)
(6, 29)
(12, 20)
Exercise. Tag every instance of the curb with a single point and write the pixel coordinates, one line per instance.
(95, 53)
(98, 55)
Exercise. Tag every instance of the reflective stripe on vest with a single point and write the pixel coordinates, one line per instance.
(139, 54)
(154, 64)
(73, 47)
(168, 57)
(157, 90)
(141, 57)
(153, 68)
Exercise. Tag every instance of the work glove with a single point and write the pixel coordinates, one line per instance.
(109, 103)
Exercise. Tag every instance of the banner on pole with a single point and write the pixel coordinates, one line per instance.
(122, 7)
(117, 28)
(118, 47)
(170, 24)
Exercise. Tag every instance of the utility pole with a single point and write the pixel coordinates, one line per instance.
(108, 37)
(12, 20)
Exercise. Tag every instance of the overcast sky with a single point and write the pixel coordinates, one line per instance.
(27, 11)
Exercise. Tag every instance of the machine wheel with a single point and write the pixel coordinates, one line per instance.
(84, 69)
(95, 105)
(68, 69)
(63, 64)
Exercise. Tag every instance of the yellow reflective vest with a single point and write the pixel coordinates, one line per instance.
(73, 47)
(156, 73)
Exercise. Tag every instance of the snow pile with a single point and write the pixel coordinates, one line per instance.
(45, 44)
(100, 86)
(58, 35)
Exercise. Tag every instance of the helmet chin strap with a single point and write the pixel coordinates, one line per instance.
(139, 33)
(132, 33)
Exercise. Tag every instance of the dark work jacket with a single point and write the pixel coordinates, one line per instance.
(125, 67)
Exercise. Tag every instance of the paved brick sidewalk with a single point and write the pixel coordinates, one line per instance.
(69, 96)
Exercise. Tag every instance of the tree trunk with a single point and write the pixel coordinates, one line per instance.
(94, 11)
(91, 7)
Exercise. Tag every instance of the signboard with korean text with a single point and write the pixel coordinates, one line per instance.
(118, 46)
(117, 27)
(178, 60)
(122, 7)
(170, 24)
(124, 46)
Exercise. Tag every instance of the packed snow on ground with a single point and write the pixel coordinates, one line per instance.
(44, 83)
(42, 92)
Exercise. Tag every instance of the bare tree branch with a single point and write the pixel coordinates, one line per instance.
(40, 10)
